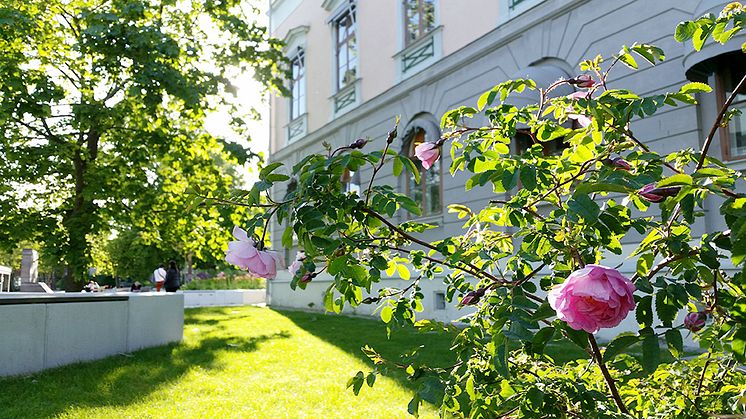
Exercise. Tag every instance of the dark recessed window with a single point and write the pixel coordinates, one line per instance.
(440, 300)
(428, 193)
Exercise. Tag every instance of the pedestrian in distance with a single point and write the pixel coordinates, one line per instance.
(159, 277)
(172, 277)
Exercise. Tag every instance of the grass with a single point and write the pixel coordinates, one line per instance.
(234, 362)
(237, 283)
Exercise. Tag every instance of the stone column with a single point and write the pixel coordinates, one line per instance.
(29, 266)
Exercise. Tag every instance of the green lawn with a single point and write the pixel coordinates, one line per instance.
(234, 362)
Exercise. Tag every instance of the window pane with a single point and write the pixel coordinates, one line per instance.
(433, 188)
(737, 131)
(412, 20)
(428, 19)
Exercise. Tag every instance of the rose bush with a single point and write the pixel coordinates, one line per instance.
(529, 264)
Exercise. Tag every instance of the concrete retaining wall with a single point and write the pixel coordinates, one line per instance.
(213, 298)
(46, 331)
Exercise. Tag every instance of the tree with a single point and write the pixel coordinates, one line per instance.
(530, 265)
(96, 92)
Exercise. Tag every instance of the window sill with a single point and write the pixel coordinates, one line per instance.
(421, 53)
(435, 219)
(346, 99)
(297, 128)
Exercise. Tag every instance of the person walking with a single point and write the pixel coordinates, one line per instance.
(159, 276)
(172, 277)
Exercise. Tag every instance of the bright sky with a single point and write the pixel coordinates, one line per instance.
(249, 95)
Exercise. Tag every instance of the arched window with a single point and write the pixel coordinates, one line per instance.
(428, 194)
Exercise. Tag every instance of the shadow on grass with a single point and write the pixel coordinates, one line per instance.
(122, 380)
(350, 334)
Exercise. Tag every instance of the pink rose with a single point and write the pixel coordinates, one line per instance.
(428, 154)
(244, 254)
(592, 298)
(652, 194)
(583, 120)
(297, 263)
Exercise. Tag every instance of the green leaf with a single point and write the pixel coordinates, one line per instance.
(487, 98)
(582, 205)
(268, 169)
(356, 382)
(651, 351)
(528, 177)
(738, 347)
(398, 166)
(626, 58)
(678, 179)
(619, 344)
(675, 342)
(287, 237)
(685, 31)
(695, 87)
(386, 313)
(541, 338)
(644, 311)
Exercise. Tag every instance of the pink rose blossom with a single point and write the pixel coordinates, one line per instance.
(428, 153)
(592, 298)
(244, 254)
(583, 120)
(297, 263)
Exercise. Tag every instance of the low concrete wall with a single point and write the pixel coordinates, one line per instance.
(45, 331)
(213, 298)
(280, 295)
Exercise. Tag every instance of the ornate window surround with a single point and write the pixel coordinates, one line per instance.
(295, 43)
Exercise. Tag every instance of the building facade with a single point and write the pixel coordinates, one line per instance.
(357, 64)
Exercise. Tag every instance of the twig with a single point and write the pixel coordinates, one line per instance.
(389, 139)
(607, 377)
(713, 130)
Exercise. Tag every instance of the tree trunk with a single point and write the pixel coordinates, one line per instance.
(188, 277)
(80, 220)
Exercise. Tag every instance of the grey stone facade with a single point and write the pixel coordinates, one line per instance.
(558, 32)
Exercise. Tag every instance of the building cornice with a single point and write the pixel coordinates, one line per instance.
(498, 37)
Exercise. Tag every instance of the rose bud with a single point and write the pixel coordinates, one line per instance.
(584, 81)
(620, 163)
(472, 297)
(592, 298)
(307, 277)
(653, 194)
(695, 321)
(428, 153)
(359, 143)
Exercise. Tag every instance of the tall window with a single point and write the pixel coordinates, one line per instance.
(346, 39)
(733, 137)
(298, 85)
(428, 192)
(419, 19)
